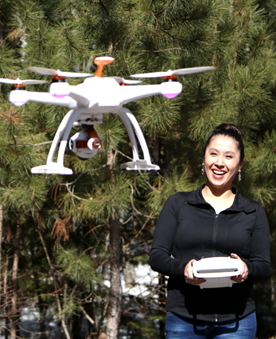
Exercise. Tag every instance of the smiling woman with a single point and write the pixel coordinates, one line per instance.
(213, 221)
(222, 161)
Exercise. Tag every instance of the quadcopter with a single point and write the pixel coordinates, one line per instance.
(88, 102)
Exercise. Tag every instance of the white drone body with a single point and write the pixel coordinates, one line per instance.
(217, 271)
(87, 102)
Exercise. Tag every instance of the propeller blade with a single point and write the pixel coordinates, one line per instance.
(53, 72)
(43, 70)
(126, 81)
(152, 75)
(22, 82)
(193, 70)
(131, 82)
(73, 74)
(10, 81)
(182, 71)
(33, 82)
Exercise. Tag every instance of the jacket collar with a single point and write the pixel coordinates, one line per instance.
(240, 202)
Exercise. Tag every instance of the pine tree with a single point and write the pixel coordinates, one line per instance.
(73, 228)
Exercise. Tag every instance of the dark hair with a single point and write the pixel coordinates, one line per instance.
(228, 130)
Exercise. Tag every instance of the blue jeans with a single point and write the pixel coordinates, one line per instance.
(179, 328)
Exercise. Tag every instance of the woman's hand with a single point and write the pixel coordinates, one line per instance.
(189, 276)
(244, 272)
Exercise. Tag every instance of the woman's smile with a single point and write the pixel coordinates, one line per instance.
(218, 174)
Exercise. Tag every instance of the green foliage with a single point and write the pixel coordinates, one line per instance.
(77, 266)
(238, 38)
(70, 308)
(109, 201)
(145, 331)
(165, 187)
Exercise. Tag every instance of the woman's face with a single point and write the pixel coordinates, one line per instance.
(221, 161)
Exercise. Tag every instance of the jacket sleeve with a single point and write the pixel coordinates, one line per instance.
(259, 265)
(161, 259)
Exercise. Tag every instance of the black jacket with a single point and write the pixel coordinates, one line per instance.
(189, 228)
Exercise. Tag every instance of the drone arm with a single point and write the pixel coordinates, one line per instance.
(47, 98)
(77, 93)
(131, 93)
(167, 89)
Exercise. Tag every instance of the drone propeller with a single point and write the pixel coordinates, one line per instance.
(18, 95)
(58, 73)
(170, 73)
(123, 81)
(22, 82)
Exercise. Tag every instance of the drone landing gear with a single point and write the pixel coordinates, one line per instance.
(61, 138)
(89, 138)
(139, 165)
(52, 168)
(134, 131)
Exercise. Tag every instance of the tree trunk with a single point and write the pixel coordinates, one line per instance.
(59, 306)
(14, 306)
(1, 259)
(114, 308)
(1, 235)
(6, 296)
(3, 287)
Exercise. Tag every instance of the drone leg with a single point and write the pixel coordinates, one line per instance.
(133, 126)
(52, 167)
(68, 126)
(131, 135)
(140, 136)
(58, 136)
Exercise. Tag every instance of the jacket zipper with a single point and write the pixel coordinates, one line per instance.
(215, 235)
(214, 247)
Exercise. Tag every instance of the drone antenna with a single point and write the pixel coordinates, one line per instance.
(101, 62)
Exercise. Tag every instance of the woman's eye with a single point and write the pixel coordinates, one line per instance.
(229, 156)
